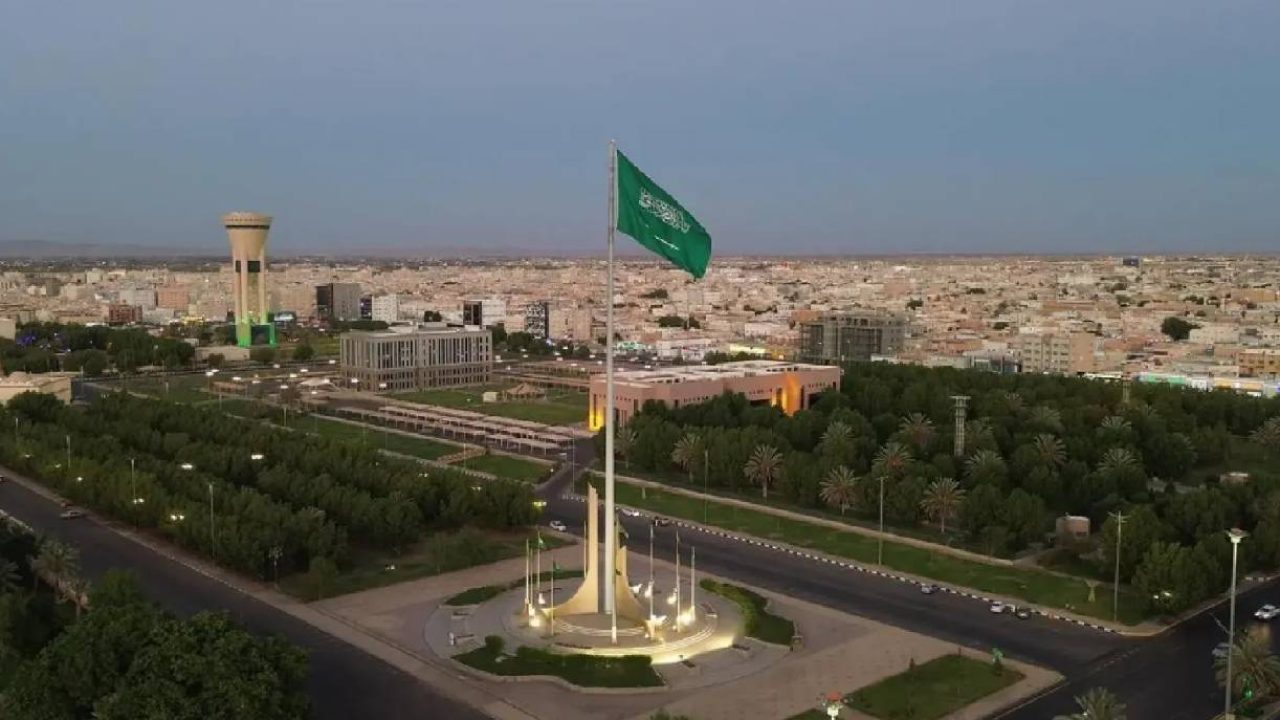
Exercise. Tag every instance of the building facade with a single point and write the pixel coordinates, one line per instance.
(853, 335)
(385, 308)
(175, 296)
(1055, 353)
(786, 385)
(122, 314)
(338, 301)
(537, 319)
(427, 356)
(1259, 362)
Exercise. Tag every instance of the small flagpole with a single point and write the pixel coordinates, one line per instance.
(693, 582)
(551, 607)
(610, 581)
(677, 581)
(527, 605)
(537, 577)
(651, 572)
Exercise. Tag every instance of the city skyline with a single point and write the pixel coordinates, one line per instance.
(832, 129)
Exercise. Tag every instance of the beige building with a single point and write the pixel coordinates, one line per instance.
(1259, 362)
(421, 357)
(787, 385)
(1059, 353)
(852, 335)
(57, 384)
(175, 296)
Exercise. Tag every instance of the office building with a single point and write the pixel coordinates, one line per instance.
(1055, 353)
(385, 308)
(484, 313)
(338, 301)
(143, 297)
(1259, 362)
(122, 314)
(173, 296)
(785, 385)
(428, 356)
(247, 233)
(841, 337)
(537, 319)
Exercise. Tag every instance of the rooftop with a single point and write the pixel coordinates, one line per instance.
(723, 371)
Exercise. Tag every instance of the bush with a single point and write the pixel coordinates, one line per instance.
(494, 644)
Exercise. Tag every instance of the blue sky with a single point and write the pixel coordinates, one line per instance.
(798, 126)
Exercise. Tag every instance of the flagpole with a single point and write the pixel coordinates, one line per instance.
(611, 540)
(527, 604)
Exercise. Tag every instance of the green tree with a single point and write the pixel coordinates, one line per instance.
(986, 467)
(942, 501)
(1097, 704)
(321, 576)
(1177, 328)
(215, 360)
(1254, 667)
(687, 453)
(918, 431)
(1051, 451)
(763, 467)
(9, 576)
(1142, 529)
(623, 441)
(263, 354)
(55, 561)
(840, 488)
(303, 352)
(892, 460)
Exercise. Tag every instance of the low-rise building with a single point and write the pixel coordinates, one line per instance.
(786, 385)
(1259, 362)
(416, 358)
(122, 314)
(57, 384)
(840, 337)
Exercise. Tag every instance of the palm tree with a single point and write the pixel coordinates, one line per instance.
(837, 434)
(918, 430)
(686, 452)
(8, 576)
(763, 467)
(1046, 418)
(1268, 434)
(985, 464)
(892, 459)
(1097, 704)
(1012, 401)
(840, 488)
(942, 500)
(55, 560)
(1253, 666)
(77, 587)
(1051, 449)
(978, 434)
(623, 441)
(1116, 459)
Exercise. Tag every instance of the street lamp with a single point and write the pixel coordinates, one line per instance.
(257, 456)
(880, 538)
(1115, 599)
(1235, 535)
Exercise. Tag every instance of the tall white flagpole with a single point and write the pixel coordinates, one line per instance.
(610, 533)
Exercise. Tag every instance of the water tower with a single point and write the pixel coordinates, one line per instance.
(247, 233)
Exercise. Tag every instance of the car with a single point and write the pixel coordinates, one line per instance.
(1022, 613)
(928, 588)
(661, 521)
(630, 512)
(557, 525)
(1221, 650)
(3, 478)
(71, 514)
(1267, 612)
(997, 607)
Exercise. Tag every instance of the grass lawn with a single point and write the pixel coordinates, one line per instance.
(442, 552)
(582, 670)
(178, 388)
(477, 595)
(760, 623)
(560, 407)
(508, 467)
(929, 691)
(421, 447)
(1032, 585)
(1243, 455)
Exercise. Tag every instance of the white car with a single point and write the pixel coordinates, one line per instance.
(1221, 650)
(1267, 612)
(557, 525)
(71, 514)
(928, 588)
(999, 607)
(630, 512)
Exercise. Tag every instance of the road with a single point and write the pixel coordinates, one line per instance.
(344, 682)
(1168, 677)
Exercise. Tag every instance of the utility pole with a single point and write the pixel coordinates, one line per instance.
(706, 498)
(1115, 586)
(1235, 535)
(133, 487)
(880, 538)
(213, 543)
(68, 456)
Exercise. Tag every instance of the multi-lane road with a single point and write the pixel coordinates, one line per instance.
(345, 682)
(1168, 676)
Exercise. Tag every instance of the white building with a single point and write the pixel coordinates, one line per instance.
(385, 308)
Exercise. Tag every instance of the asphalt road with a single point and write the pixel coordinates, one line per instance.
(1168, 677)
(344, 682)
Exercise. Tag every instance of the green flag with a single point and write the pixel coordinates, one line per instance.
(649, 214)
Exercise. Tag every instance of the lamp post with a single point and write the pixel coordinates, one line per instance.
(68, 455)
(1115, 586)
(1235, 535)
(706, 486)
(133, 484)
(880, 537)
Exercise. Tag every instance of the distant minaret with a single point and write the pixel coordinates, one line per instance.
(962, 405)
(247, 233)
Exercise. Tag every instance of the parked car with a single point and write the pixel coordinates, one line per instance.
(661, 521)
(630, 512)
(1022, 613)
(3, 478)
(71, 514)
(1267, 612)
(928, 588)
(998, 607)
(557, 525)
(1221, 650)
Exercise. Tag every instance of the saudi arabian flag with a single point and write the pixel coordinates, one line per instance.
(649, 214)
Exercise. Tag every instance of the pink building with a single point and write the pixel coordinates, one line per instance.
(790, 386)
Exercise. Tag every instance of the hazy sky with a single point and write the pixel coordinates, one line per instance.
(784, 126)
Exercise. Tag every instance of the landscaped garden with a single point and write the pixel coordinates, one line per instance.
(630, 671)
(559, 407)
(758, 622)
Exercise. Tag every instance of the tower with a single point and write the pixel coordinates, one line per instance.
(962, 405)
(247, 233)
